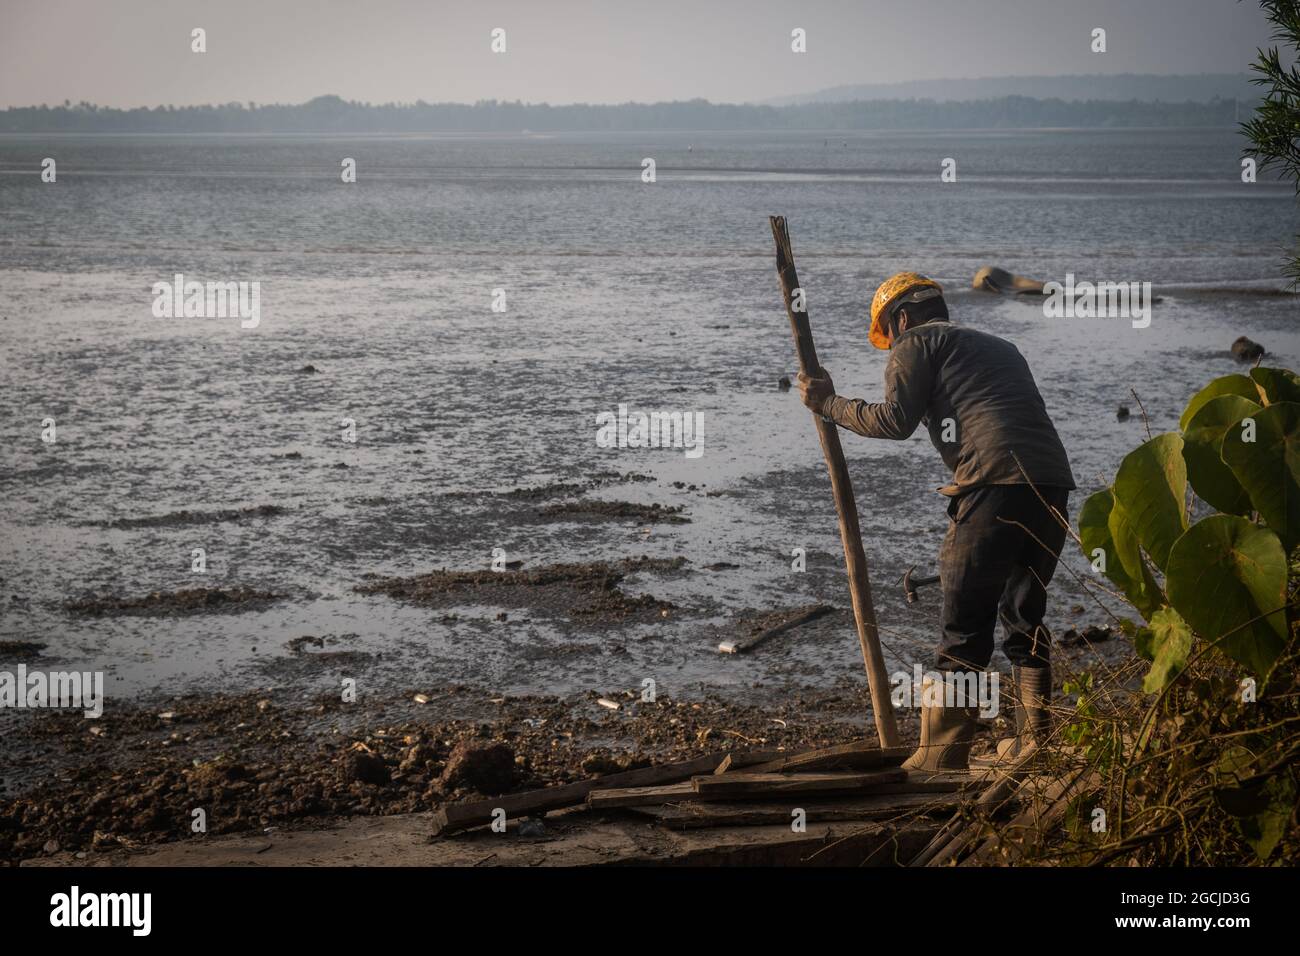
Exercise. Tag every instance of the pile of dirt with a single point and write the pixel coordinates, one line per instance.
(184, 601)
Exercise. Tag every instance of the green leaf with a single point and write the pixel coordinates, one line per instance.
(1227, 576)
(1167, 643)
(1269, 467)
(1151, 489)
(1227, 385)
(1277, 384)
(1096, 531)
(1262, 809)
(1144, 644)
(1210, 477)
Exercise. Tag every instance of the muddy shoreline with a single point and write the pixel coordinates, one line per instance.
(135, 776)
(261, 762)
(329, 736)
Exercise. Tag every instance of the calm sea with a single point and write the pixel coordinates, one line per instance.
(662, 296)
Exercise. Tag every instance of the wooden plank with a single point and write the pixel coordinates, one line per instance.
(692, 816)
(855, 556)
(686, 791)
(748, 644)
(859, 755)
(641, 796)
(934, 783)
(757, 786)
(473, 813)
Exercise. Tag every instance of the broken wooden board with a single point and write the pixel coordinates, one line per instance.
(749, 758)
(859, 755)
(747, 644)
(473, 813)
(758, 786)
(701, 814)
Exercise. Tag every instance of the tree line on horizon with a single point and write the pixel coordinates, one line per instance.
(332, 114)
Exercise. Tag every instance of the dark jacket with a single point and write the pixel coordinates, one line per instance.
(974, 389)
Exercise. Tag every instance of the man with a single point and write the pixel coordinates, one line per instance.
(1011, 481)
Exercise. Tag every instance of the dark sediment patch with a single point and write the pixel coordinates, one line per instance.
(580, 590)
(186, 519)
(184, 601)
(558, 489)
(306, 666)
(20, 650)
(617, 511)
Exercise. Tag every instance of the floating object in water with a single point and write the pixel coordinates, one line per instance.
(1247, 350)
(993, 279)
(1122, 413)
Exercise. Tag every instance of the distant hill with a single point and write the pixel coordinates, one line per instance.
(330, 114)
(1120, 87)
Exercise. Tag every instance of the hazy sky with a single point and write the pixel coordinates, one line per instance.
(137, 52)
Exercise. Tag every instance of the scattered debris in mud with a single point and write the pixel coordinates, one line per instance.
(1092, 634)
(619, 510)
(183, 519)
(184, 601)
(580, 590)
(253, 764)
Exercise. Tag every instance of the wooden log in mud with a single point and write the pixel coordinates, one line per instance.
(858, 755)
(739, 647)
(855, 558)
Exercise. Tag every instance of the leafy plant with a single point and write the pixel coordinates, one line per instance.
(1222, 579)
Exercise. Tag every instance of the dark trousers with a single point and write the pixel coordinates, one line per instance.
(996, 562)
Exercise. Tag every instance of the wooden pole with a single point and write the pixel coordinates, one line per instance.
(855, 559)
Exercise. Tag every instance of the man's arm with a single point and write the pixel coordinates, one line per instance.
(908, 379)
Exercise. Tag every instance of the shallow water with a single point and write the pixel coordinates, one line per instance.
(660, 296)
